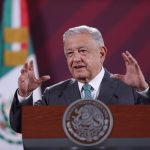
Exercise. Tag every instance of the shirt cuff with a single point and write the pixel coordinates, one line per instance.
(144, 93)
(22, 99)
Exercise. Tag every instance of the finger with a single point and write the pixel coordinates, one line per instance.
(31, 65)
(43, 79)
(130, 57)
(126, 59)
(23, 71)
(24, 68)
(133, 60)
(118, 77)
(31, 68)
(21, 78)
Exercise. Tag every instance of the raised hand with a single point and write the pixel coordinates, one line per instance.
(27, 81)
(134, 76)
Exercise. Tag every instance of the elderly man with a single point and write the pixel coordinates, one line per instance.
(85, 53)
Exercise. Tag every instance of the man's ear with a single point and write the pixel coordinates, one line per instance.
(103, 52)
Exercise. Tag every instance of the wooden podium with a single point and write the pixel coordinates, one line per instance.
(42, 127)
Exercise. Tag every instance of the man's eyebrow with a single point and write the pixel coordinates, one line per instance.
(68, 49)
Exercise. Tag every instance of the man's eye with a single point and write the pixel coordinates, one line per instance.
(83, 51)
(69, 54)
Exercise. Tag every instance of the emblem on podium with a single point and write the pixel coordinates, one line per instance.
(87, 122)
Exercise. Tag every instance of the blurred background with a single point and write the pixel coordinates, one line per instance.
(123, 23)
(33, 29)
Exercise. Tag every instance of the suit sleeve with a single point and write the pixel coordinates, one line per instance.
(142, 99)
(16, 113)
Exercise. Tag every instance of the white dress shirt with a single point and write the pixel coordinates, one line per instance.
(95, 83)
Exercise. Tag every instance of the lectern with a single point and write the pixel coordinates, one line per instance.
(42, 128)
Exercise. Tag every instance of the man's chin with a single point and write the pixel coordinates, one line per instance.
(81, 78)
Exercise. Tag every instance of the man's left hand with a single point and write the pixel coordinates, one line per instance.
(134, 76)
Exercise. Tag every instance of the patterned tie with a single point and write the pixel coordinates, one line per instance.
(87, 91)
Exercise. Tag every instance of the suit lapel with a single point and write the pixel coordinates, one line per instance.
(107, 88)
(72, 93)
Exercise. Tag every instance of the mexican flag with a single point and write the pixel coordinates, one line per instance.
(15, 49)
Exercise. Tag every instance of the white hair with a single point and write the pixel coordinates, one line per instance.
(94, 32)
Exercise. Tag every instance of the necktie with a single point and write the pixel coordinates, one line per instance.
(87, 91)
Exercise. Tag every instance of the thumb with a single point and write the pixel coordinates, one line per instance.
(118, 76)
(44, 78)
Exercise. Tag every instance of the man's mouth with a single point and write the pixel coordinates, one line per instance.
(79, 66)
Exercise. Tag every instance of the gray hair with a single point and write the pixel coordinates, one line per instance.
(95, 33)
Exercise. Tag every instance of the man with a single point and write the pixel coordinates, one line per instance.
(85, 53)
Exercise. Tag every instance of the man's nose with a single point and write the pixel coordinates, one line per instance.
(76, 57)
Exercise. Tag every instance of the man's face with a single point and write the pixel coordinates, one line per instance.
(84, 57)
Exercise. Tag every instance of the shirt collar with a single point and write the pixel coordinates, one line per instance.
(95, 83)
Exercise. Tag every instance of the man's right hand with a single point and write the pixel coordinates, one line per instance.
(27, 81)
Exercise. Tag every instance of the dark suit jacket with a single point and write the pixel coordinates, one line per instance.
(64, 93)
